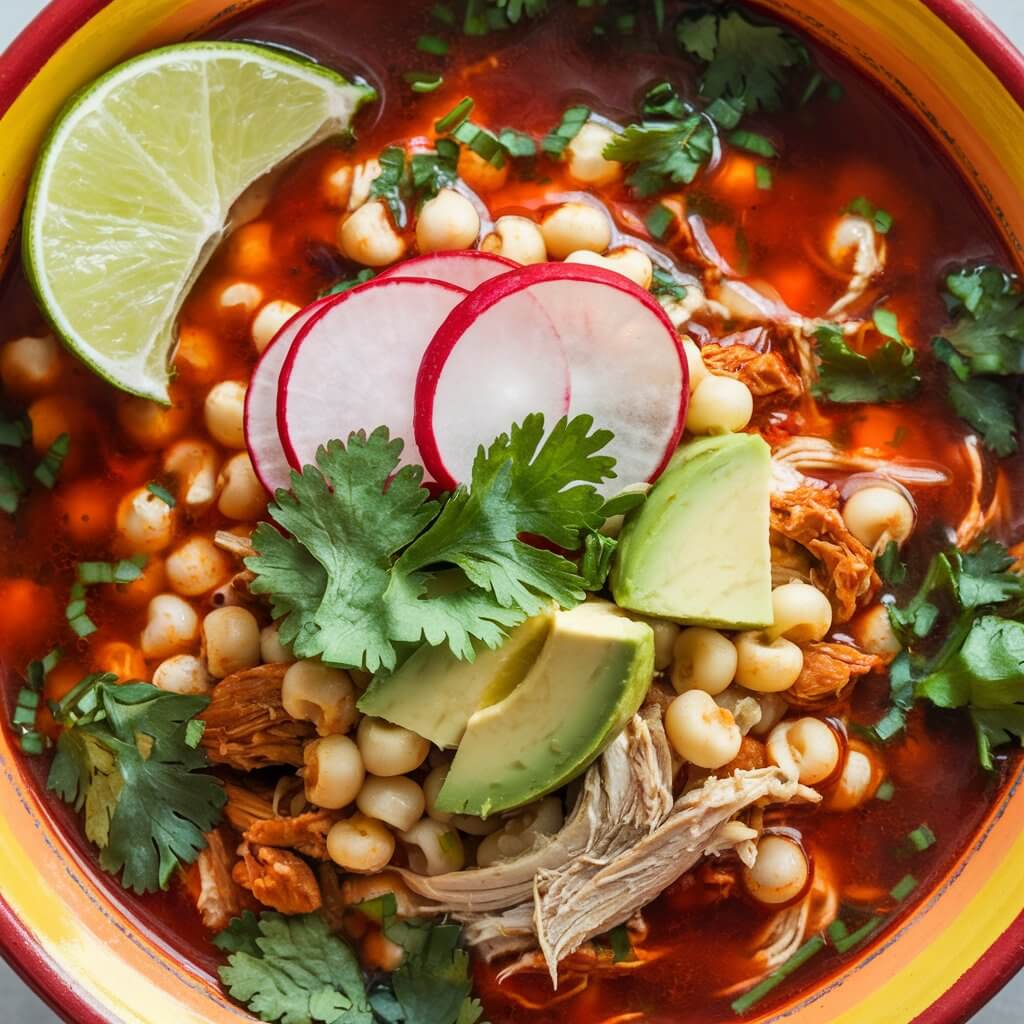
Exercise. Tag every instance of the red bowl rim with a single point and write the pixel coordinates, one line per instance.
(20, 63)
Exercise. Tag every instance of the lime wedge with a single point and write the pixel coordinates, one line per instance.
(135, 182)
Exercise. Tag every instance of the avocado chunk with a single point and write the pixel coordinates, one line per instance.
(589, 679)
(433, 693)
(697, 550)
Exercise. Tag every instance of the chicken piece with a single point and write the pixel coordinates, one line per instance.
(771, 381)
(802, 454)
(247, 726)
(253, 815)
(279, 879)
(333, 909)
(844, 569)
(219, 898)
(828, 672)
(752, 755)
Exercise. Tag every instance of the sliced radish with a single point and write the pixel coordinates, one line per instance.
(353, 365)
(468, 269)
(494, 360)
(261, 434)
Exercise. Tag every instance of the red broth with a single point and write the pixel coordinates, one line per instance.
(832, 152)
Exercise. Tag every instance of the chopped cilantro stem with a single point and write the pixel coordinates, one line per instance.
(903, 888)
(444, 14)
(837, 930)
(808, 950)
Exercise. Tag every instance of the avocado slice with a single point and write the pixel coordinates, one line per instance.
(590, 678)
(433, 693)
(697, 550)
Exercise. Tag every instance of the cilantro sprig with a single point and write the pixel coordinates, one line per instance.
(668, 147)
(370, 562)
(294, 970)
(129, 757)
(983, 350)
(746, 64)
(889, 374)
(973, 601)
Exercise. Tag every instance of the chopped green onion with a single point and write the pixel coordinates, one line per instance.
(885, 791)
(364, 275)
(33, 743)
(23, 716)
(47, 470)
(378, 909)
(663, 283)
(725, 113)
(82, 625)
(835, 91)
(518, 145)
(622, 947)
(763, 177)
(662, 102)
(887, 323)
(163, 494)
(863, 207)
(626, 24)
(892, 723)
(812, 87)
(36, 671)
(809, 949)
(194, 733)
(485, 144)
(659, 14)
(837, 930)
(434, 45)
(454, 117)
(28, 698)
(922, 838)
(14, 433)
(75, 612)
(659, 220)
(753, 143)
(423, 81)
(556, 141)
(443, 13)
(845, 944)
(903, 888)
(129, 569)
(11, 489)
(94, 572)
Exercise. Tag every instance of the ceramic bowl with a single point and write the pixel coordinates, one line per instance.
(64, 929)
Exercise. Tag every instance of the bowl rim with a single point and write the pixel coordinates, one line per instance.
(23, 59)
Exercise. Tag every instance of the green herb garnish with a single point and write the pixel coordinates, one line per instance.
(12, 487)
(434, 45)
(983, 347)
(454, 117)
(753, 142)
(48, 469)
(435, 170)
(746, 63)
(348, 283)
(903, 888)
(886, 791)
(392, 184)
(663, 283)
(808, 950)
(369, 561)
(423, 81)
(555, 142)
(848, 942)
(124, 759)
(161, 492)
(880, 219)
(889, 566)
(663, 154)
(658, 220)
(763, 177)
(922, 838)
(887, 375)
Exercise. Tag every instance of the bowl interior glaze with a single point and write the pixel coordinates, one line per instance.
(65, 931)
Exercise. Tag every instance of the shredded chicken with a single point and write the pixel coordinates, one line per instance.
(624, 843)
(828, 672)
(988, 498)
(279, 879)
(233, 544)
(219, 898)
(246, 724)
(253, 815)
(818, 454)
(772, 383)
(809, 516)
(868, 262)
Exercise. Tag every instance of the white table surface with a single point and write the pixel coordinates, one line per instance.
(21, 1005)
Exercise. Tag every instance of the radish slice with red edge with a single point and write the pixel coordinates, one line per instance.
(496, 359)
(625, 360)
(261, 434)
(353, 365)
(468, 268)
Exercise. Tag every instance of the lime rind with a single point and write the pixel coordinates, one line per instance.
(135, 182)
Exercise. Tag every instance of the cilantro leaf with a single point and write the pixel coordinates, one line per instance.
(240, 935)
(985, 342)
(360, 571)
(995, 727)
(433, 171)
(887, 375)
(392, 184)
(747, 63)
(988, 327)
(128, 764)
(432, 985)
(299, 974)
(663, 153)
(596, 561)
(889, 566)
